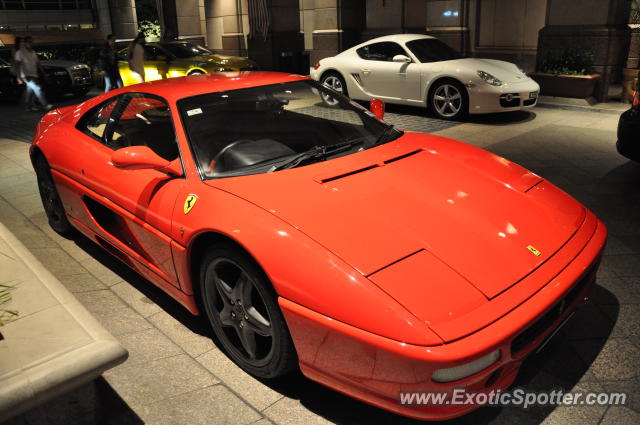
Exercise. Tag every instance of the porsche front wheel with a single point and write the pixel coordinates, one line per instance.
(448, 100)
(50, 198)
(243, 310)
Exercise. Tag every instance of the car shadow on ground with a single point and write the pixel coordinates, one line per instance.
(501, 118)
(558, 366)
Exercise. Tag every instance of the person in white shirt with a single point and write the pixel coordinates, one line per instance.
(136, 57)
(28, 69)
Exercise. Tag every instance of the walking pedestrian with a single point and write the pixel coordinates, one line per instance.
(29, 71)
(136, 57)
(108, 63)
(17, 42)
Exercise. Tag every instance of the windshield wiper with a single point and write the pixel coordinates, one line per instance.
(385, 133)
(316, 153)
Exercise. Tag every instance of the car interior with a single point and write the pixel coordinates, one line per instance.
(224, 141)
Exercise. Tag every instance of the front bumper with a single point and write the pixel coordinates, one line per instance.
(485, 98)
(376, 369)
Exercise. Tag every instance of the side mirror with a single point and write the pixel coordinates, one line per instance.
(401, 58)
(377, 108)
(143, 158)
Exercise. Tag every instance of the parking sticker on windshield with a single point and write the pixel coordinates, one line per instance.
(192, 112)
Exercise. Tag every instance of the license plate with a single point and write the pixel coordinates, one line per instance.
(533, 95)
(546, 341)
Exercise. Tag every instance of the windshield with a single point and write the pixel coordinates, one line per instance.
(185, 50)
(260, 129)
(432, 50)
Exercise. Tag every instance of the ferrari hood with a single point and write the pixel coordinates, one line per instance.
(505, 71)
(487, 219)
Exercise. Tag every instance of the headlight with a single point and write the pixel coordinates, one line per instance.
(455, 373)
(489, 78)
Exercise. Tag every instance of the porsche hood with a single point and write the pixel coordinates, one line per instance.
(488, 220)
(504, 71)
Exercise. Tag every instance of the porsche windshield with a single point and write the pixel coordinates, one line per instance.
(432, 50)
(269, 128)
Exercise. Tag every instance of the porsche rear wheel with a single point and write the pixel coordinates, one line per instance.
(334, 81)
(449, 100)
(50, 198)
(242, 308)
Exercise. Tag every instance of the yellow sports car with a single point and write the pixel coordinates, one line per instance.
(178, 58)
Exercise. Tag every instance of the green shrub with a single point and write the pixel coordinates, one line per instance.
(569, 61)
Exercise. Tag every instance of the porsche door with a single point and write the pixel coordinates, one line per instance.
(384, 78)
(131, 209)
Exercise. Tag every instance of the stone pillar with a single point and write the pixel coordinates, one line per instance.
(282, 50)
(449, 21)
(124, 23)
(180, 19)
(103, 16)
(597, 25)
(227, 26)
(331, 26)
(188, 17)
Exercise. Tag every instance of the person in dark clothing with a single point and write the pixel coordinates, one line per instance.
(108, 63)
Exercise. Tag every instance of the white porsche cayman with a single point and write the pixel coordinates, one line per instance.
(414, 69)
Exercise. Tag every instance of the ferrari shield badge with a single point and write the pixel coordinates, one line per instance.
(189, 203)
(531, 248)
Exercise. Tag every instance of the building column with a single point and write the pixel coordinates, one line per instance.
(600, 26)
(124, 22)
(227, 26)
(103, 16)
(331, 26)
(283, 47)
(180, 19)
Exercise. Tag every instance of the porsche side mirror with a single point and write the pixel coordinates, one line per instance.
(377, 108)
(401, 58)
(143, 158)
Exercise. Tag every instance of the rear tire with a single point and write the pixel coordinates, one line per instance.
(334, 81)
(51, 199)
(243, 310)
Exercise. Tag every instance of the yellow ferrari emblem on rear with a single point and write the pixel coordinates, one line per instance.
(189, 203)
(534, 251)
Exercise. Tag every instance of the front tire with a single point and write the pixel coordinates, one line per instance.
(449, 100)
(51, 199)
(334, 81)
(242, 308)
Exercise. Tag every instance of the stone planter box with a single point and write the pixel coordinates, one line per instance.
(54, 344)
(577, 86)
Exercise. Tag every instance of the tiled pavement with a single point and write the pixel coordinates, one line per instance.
(176, 374)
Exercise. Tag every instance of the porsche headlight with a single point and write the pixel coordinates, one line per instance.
(490, 79)
(455, 373)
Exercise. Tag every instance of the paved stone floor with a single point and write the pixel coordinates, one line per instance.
(176, 373)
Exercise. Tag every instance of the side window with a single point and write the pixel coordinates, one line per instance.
(384, 51)
(145, 121)
(151, 53)
(97, 119)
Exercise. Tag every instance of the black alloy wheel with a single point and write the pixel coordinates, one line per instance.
(242, 308)
(51, 199)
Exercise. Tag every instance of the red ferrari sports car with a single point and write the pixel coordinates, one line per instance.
(320, 237)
